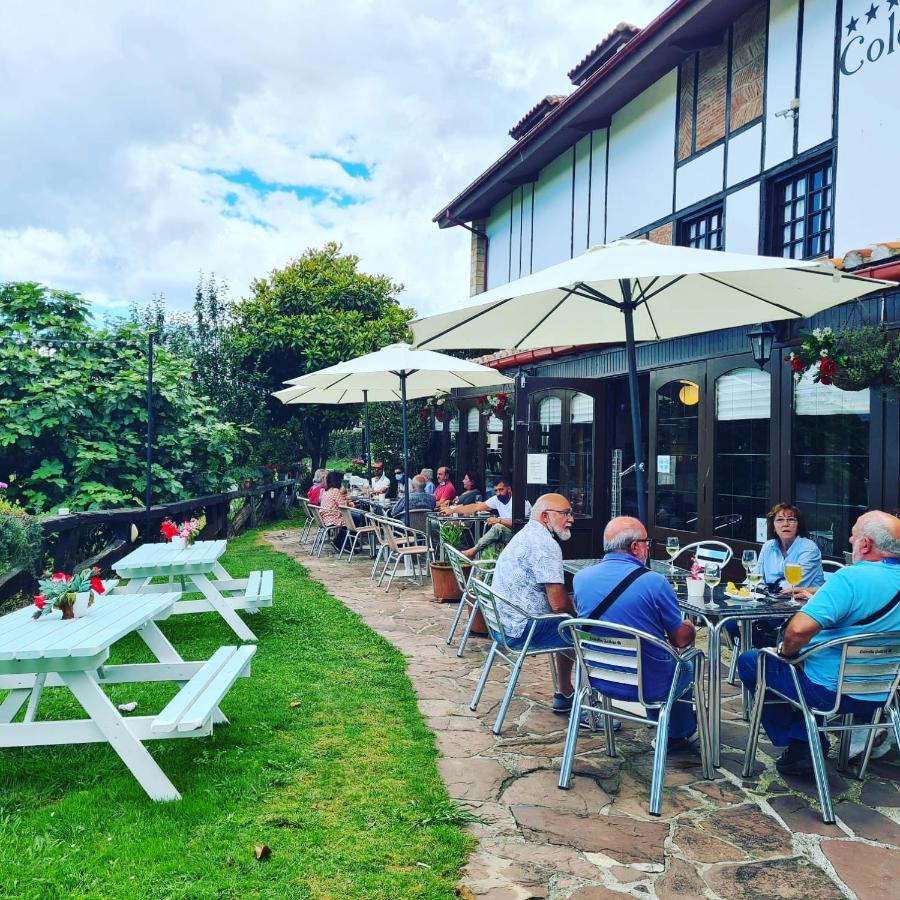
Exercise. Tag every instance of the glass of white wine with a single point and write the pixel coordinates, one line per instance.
(673, 546)
(754, 577)
(712, 575)
(748, 561)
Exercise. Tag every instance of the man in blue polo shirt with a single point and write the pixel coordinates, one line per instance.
(649, 604)
(860, 598)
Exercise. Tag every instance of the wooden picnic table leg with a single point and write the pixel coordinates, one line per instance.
(111, 724)
(35, 697)
(223, 608)
(219, 571)
(162, 649)
(14, 701)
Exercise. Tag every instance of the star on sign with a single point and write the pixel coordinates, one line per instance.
(851, 25)
(871, 13)
(893, 3)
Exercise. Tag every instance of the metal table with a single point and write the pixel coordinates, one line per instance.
(473, 523)
(714, 616)
(573, 566)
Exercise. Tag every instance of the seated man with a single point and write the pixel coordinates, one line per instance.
(530, 573)
(500, 525)
(646, 602)
(863, 597)
(418, 499)
(380, 482)
(445, 492)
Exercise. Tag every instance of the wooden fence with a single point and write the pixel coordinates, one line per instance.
(71, 542)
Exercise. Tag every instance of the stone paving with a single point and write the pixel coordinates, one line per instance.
(728, 838)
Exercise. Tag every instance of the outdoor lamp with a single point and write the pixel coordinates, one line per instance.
(761, 340)
(689, 394)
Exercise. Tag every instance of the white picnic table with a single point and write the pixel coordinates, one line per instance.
(195, 564)
(52, 652)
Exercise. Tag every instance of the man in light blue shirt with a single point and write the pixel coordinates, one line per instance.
(861, 598)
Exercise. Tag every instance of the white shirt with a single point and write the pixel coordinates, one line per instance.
(380, 482)
(504, 510)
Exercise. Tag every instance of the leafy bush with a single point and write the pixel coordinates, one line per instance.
(20, 539)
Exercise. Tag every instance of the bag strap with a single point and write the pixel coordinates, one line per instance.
(878, 614)
(617, 591)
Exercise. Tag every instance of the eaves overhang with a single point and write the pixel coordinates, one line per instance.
(682, 27)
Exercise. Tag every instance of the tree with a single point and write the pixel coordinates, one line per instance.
(315, 312)
(73, 415)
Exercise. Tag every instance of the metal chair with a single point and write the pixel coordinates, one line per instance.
(305, 504)
(353, 532)
(708, 552)
(464, 570)
(830, 566)
(613, 654)
(401, 543)
(869, 664)
(323, 533)
(488, 600)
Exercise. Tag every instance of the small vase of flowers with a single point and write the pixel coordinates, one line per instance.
(694, 580)
(182, 535)
(60, 590)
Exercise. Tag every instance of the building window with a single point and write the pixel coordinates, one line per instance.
(703, 231)
(677, 450)
(801, 212)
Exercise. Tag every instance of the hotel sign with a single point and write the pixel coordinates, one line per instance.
(869, 36)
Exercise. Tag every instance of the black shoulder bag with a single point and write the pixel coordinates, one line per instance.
(617, 591)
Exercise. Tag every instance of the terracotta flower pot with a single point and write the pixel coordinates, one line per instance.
(444, 583)
(479, 626)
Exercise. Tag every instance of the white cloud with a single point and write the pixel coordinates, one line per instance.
(118, 119)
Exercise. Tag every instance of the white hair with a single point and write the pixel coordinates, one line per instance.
(623, 539)
(418, 483)
(880, 535)
(427, 474)
(540, 507)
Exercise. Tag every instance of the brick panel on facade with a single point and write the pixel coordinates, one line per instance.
(478, 264)
(662, 234)
(686, 109)
(712, 78)
(748, 62)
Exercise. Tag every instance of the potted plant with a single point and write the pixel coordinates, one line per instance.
(61, 590)
(694, 580)
(442, 578)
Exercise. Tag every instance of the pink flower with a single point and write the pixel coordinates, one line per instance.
(3, 485)
(97, 586)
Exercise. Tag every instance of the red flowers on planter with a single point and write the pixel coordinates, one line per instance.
(168, 529)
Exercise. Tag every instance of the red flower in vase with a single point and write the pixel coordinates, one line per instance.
(97, 585)
(40, 601)
(168, 530)
(828, 368)
(59, 576)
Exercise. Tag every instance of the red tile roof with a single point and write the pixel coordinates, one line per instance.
(617, 38)
(534, 115)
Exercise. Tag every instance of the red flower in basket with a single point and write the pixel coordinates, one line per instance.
(424, 413)
(828, 368)
(797, 364)
(480, 401)
(439, 415)
(168, 529)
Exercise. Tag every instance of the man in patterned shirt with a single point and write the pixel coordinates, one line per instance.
(529, 572)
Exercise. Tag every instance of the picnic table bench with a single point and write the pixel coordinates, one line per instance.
(52, 652)
(197, 568)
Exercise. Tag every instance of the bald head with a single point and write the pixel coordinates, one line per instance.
(622, 532)
(548, 501)
(876, 536)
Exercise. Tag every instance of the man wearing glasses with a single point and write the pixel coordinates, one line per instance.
(530, 573)
(646, 601)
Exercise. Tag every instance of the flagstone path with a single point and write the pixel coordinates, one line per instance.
(728, 838)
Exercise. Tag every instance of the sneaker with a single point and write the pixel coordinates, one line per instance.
(562, 703)
(585, 721)
(678, 745)
(797, 760)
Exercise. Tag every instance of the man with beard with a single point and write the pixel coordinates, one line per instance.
(644, 600)
(530, 573)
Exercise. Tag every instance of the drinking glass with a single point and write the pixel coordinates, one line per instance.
(673, 545)
(793, 573)
(748, 561)
(712, 575)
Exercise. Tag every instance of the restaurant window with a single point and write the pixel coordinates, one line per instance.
(453, 445)
(743, 414)
(471, 461)
(703, 231)
(677, 443)
(493, 454)
(561, 437)
(801, 210)
(831, 460)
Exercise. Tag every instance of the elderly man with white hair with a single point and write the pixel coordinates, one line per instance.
(530, 573)
(863, 597)
(417, 499)
(621, 590)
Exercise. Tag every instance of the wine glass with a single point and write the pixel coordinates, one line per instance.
(793, 573)
(748, 561)
(712, 575)
(673, 546)
(754, 577)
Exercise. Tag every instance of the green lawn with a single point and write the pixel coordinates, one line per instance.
(343, 788)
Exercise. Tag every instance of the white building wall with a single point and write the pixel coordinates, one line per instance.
(781, 73)
(744, 155)
(814, 124)
(597, 232)
(742, 220)
(581, 196)
(641, 159)
(552, 226)
(867, 196)
(498, 232)
(699, 177)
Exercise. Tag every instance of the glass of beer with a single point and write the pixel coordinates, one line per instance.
(794, 575)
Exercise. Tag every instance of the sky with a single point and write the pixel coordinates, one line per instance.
(147, 143)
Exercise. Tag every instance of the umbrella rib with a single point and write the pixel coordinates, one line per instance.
(477, 315)
(593, 294)
(546, 316)
(647, 297)
(837, 272)
(747, 293)
(643, 293)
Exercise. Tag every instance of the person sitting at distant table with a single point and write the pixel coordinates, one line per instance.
(314, 494)
(428, 475)
(418, 499)
(500, 525)
(380, 482)
(444, 492)
(333, 498)
(471, 490)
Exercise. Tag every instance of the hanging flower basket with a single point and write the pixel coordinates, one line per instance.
(498, 405)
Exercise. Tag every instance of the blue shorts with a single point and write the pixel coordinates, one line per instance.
(546, 637)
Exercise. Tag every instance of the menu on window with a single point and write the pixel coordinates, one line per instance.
(537, 468)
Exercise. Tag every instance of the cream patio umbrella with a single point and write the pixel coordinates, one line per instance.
(396, 372)
(635, 290)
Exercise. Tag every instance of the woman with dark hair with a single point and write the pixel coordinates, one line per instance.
(789, 543)
(471, 489)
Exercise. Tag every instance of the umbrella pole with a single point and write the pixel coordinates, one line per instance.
(406, 491)
(640, 477)
(368, 449)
